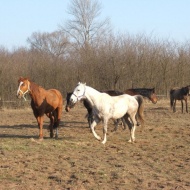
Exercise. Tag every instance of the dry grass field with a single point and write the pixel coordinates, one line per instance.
(160, 158)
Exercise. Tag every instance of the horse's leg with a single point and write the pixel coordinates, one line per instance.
(89, 120)
(51, 117)
(57, 117)
(116, 123)
(136, 117)
(132, 125)
(181, 106)
(133, 129)
(90, 117)
(92, 126)
(129, 124)
(186, 105)
(174, 106)
(124, 123)
(40, 120)
(105, 130)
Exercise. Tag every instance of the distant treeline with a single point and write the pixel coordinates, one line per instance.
(90, 52)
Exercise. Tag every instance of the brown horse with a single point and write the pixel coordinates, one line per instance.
(145, 92)
(179, 94)
(49, 102)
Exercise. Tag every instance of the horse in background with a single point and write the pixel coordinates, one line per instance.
(179, 94)
(106, 107)
(49, 102)
(145, 92)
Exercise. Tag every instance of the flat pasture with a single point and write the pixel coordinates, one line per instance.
(159, 159)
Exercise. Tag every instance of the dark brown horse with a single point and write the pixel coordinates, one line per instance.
(49, 102)
(179, 94)
(86, 104)
(145, 92)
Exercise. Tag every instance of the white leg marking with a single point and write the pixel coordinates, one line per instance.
(93, 131)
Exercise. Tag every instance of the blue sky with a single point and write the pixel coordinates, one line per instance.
(164, 19)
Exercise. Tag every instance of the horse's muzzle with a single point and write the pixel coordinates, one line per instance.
(19, 95)
(67, 109)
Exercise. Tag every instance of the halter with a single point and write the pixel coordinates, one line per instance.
(23, 93)
(78, 97)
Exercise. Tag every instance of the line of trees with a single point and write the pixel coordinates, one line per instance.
(86, 49)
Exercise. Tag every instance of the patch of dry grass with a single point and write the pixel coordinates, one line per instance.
(160, 159)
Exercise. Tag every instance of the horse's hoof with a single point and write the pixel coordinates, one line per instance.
(51, 135)
(40, 136)
(56, 136)
(129, 141)
(104, 142)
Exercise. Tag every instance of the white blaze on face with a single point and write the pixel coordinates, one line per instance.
(19, 88)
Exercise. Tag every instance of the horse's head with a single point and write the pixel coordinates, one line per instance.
(153, 96)
(23, 87)
(69, 104)
(185, 90)
(78, 93)
(188, 89)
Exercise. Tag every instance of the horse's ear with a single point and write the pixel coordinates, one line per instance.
(85, 84)
(78, 83)
(20, 79)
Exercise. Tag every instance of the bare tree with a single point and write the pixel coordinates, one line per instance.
(84, 26)
(55, 44)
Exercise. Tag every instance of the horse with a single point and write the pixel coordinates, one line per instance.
(89, 107)
(145, 92)
(49, 102)
(106, 107)
(179, 94)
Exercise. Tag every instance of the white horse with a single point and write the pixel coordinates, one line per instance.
(106, 107)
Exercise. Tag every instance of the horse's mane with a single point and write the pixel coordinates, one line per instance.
(142, 89)
(28, 79)
(35, 85)
(112, 92)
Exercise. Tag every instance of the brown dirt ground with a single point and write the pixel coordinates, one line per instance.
(160, 158)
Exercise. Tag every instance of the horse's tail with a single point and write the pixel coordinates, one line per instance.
(171, 99)
(140, 111)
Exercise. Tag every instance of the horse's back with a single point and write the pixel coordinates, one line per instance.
(179, 93)
(113, 92)
(125, 103)
(55, 97)
(131, 92)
